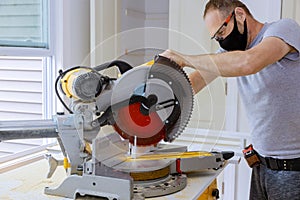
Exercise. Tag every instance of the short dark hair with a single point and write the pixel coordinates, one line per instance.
(225, 6)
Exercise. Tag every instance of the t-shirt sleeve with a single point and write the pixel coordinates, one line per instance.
(289, 31)
(220, 50)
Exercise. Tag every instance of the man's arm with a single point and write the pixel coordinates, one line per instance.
(235, 63)
(200, 79)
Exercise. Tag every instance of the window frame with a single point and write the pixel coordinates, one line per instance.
(51, 59)
(33, 51)
(49, 55)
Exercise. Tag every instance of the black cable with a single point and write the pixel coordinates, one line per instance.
(123, 66)
(61, 73)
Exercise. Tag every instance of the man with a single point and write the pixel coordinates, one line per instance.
(265, 58)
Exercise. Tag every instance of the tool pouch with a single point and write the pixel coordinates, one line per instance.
(251, 156)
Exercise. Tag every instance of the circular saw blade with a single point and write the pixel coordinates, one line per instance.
(152, 103)
(169, 71)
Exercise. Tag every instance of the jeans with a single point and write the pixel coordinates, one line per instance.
(267, 184)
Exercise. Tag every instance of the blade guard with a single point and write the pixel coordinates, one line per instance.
(149, 128)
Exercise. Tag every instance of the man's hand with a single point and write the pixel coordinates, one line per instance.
(177, 57)
(199, 79)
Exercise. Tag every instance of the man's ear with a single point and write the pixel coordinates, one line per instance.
(240, 14)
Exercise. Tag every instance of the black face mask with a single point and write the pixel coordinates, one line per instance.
(235, 40)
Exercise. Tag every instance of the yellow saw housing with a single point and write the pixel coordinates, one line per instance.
(68, 81)
(81, 83)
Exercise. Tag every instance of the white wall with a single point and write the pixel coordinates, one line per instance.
(144, 28)
(187, 29)
(291, 9)
(157, 15)
(72, 32)
(264, 11)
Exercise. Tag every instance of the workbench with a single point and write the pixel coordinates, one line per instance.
(29, 181)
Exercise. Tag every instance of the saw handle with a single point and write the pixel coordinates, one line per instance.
(166, 61)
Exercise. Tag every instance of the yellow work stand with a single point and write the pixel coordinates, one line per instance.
(211, 193)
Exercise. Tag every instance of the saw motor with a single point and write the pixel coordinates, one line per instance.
(82, 83)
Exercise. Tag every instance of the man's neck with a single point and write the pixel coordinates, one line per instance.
(254, 27)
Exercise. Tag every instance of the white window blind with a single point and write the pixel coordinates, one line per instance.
(24, 23)
(21, 94)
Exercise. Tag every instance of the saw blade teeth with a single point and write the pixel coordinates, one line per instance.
(186, 104)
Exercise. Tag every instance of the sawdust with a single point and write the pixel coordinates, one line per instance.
(5, 198)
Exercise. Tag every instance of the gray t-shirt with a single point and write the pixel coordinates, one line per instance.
(272, 96)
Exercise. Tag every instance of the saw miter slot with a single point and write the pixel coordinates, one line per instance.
(144, 106)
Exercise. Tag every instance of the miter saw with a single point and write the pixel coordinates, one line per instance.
(144, 106)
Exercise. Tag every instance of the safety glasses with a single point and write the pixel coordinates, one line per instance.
(215, 36)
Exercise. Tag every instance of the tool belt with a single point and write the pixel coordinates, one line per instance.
(254, 159)
(281, 164)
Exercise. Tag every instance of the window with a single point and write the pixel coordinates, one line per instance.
(24, 23)
(26, 73)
